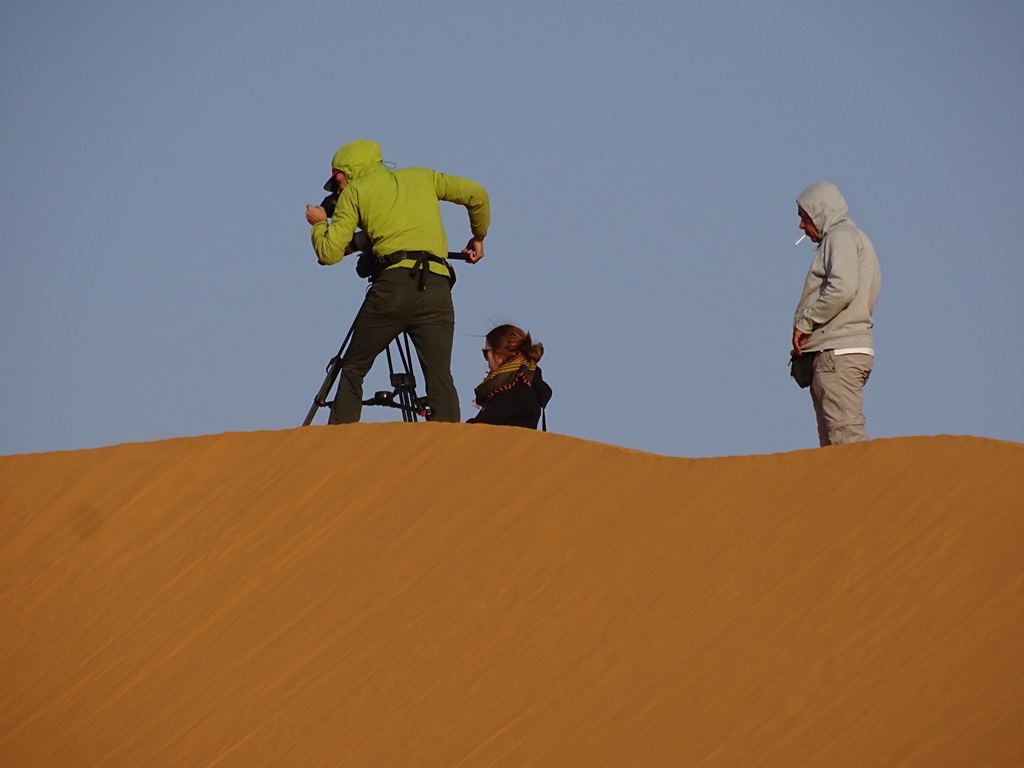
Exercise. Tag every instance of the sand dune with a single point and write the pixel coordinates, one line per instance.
(451, 595)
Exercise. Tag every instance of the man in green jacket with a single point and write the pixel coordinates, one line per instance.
(400, 213)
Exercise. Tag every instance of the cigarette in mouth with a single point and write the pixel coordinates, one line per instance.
(801, 239)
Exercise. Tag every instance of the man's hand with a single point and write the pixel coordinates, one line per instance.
(315, 214)
(799, 339)
(474, 250)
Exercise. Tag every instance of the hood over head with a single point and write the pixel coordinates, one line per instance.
(825, 205)
(353, 158)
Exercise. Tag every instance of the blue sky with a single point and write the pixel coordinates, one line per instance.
(643, 159)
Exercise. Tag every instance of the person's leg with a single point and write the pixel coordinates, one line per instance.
(381, 318)
(432, 330)
(837, 392)
(819, 417)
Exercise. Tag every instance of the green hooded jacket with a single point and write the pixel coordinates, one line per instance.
(399, 210)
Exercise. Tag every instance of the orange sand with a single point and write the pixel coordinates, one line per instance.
(453, 595)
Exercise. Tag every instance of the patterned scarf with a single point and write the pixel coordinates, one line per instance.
(504, 378)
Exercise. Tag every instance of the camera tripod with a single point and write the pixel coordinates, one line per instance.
(402, 395)
(403, 382)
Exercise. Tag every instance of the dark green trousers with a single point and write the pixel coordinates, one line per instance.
(395, 304)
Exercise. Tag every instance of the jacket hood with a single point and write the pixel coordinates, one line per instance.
(825, 205)
(543, 389)
(355, 157)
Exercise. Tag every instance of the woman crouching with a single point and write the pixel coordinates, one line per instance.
(514, 393)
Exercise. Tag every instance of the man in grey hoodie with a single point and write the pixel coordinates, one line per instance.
(833, 319)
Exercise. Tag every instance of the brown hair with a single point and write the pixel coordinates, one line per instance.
(509, 340)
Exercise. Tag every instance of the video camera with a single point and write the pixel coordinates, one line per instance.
(329, 203)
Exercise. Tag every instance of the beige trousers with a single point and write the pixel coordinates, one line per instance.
(837, 392)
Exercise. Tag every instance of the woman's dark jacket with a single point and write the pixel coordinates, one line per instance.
(515, 399)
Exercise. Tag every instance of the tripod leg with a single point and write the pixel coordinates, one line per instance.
(333, 369)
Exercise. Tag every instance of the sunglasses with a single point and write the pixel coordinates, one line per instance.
(486, 351)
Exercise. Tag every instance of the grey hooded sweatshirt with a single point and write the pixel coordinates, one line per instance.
(843, 282)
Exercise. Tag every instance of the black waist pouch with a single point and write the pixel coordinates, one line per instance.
(801, 368)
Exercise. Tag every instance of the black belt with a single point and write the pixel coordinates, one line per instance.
(422, 259)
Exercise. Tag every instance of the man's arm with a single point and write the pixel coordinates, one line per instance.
(331, 242)
(842, 273)
(468, 193)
